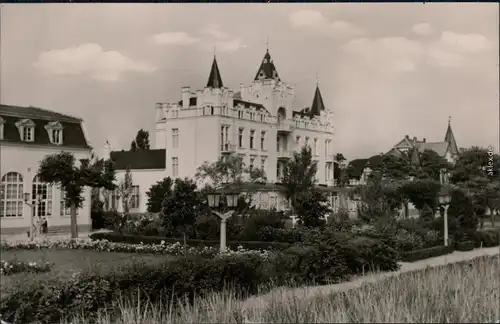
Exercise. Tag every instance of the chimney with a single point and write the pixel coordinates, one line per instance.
(414, 138)
(159, 112)
(186, 94)
(423, 140)
(407, 137)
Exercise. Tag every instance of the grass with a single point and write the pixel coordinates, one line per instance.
(465, 292)
(68, 262)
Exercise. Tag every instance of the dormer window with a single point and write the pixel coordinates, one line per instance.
(55, 131)
(26, 129)
(2, 121)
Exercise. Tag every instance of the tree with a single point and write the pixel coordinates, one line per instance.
(427, 215)
(230, 170)
(299, 180)
(394, 167)
(432, 163)
(422, 192)
(61, 169)
(462, 209)
(125, 190)
(157, 194)
(181, 207)
(141, 141)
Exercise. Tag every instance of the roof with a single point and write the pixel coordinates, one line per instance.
(73, 134)
(267, 70)
(450, 138)
(139, 160)
(35, 112)
(248, 104)
(214, 79)
(317, 105)
(439, 147)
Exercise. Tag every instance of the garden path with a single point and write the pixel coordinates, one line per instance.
(314, 291)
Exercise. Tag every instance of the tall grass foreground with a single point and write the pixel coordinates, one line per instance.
(464, 292)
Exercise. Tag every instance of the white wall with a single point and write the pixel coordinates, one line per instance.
(25, 159)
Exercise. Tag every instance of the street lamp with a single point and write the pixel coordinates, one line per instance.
(38, 200)
(444, 200)
(214, 201)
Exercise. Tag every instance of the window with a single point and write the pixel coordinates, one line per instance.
(11, 195)
(263, 163)
(252, 135)
(66, 211)
(57, 136)
(307, 141)
(297, 140)
(277, 144)
(175, 138)
(211, 110)
(175, 167)
(252, 162)
(42, 207)
(134, 197)
(262, 117)
(327, 147)
(28, 134)
(1, 127)
(315, 147)
(262, 140)
(240, 137)
(224, 138)
(240, 114)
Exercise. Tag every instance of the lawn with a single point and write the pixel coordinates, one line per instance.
(458, 293)
(68, 262)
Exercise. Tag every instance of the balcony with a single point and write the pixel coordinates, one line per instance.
(284, 126)
(228, 148)
(283, 154)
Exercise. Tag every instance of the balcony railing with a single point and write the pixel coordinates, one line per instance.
(284, 126)
(284, 154)
(228, 148)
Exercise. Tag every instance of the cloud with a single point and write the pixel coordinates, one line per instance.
(315, 20)
(424, 29)
(215, 31)
(230, 46)
(89, 59)
(465, 43)
(175, 38)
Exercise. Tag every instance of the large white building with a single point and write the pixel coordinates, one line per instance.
(27, 135)
(257, 121)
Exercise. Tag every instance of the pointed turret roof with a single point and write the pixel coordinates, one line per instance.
(450, 139)
(267, 70)
(317, 105)
(214, 79)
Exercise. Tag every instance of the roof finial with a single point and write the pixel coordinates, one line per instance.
(215, 49)
(449, 120)
(267, 43)
(317, 79)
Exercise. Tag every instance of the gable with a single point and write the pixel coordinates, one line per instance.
(404, 143)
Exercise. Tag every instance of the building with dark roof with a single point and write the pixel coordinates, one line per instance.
(27, 135)
(258, 121)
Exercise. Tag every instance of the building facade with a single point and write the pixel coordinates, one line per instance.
(27, 135)
(257, 121)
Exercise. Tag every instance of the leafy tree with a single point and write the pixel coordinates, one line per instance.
(471, 163)
(181, 207)
(157, 193)
(125, 190)
(62, 169)
(299, 180)
(422, 192)
(462, 209)
(394, 167)
(141, 141)
(432, 163)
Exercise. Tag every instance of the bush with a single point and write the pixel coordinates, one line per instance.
(259, 219)
(370, 254)
(408, 241)
(52, 301)
(421, 254)
(138, 239)
(465, 246)
(487, 238)
(298, 264)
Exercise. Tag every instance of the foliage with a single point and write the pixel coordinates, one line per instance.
(487, 238)
(471, 163)
(465, 246)
(299, 180)
(408, 241)
(61, 168)
(462, 209)
(125, 190)
(426, 215)
(157, 193)
(11, 267)
(259, 219)
(432, 252)
(141, 141)
(422, 192)
(394, 167)
(432, 163)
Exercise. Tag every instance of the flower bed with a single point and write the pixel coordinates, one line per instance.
(11, 267)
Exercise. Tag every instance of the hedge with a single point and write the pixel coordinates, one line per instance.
(421, 254)
(465, 246)
(488, 238)
(138, 239)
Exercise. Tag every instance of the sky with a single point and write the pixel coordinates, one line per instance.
(386, 70)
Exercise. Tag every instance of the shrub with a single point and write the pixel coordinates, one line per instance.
(298, 264)
(112, 220)
(138, 239)
(487, 238)
(408, 241)
(12, 267)
(465, 246)
(370, 254)
(259, 219)
(421, 254)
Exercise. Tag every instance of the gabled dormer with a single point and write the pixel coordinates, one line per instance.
(2, 122)
(26, 129)
(55, 131)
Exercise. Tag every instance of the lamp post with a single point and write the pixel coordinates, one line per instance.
(444, 200)
(214, 201)
(32, 216)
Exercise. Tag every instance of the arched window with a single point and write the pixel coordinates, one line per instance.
(43, 207)
(11, 194)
